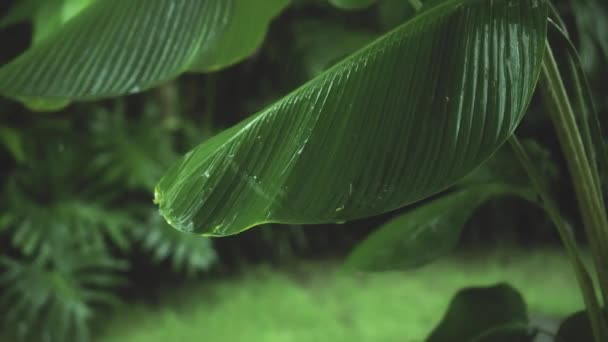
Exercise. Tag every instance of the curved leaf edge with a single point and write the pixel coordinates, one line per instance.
(52, 103)
(476, 195)
(437, 11)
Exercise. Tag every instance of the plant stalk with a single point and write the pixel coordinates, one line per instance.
(588, 192)
(594, 311)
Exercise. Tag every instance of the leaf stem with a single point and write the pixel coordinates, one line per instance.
(600, 330)
(588, 192)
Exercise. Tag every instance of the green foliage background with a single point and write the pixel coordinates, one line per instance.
(78, 229)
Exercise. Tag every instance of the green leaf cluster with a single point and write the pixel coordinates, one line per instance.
(75, 209)
(400, 119)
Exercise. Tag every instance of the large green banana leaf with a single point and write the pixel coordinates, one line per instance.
(115, 47)
(51, 15)
(396, 122)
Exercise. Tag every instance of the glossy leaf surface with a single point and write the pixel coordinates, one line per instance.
(51, 15)
(396, 122)
(116, 47)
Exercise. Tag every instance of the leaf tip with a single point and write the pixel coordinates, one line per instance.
(159, 201)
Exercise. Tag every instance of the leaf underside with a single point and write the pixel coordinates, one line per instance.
(117, 47)
(394, 123)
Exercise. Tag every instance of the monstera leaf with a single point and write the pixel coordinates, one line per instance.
(396, 122)
(116, 47)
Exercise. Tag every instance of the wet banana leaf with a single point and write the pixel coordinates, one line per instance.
(116, 47)
(394, 123)
(51, 15)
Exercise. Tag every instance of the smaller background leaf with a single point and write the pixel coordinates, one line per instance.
(575, 328)
(423, 234)
(166, 38)
(187, 253)
(56, 301)
(21, 11)
(504, 167)
(243, 35)
(13, 142)
(592, 20)
(484, 314)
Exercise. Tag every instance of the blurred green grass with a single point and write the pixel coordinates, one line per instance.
(317, 302)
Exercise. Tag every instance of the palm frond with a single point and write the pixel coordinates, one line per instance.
(45, 300)
(187, 253)
(132, 152)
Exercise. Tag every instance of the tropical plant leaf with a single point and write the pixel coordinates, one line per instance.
(575, 328)
(430, 231)
(592, 22)
(596, 148)
(422, 234)
(20, 11)
(133, 152)
(394, 123)
(116, 47)
(490, 314)
(505, 168)
(48, 301)
(13, 142)
(187, 253)
(54, 200)
(46, 15)
(243, 34)
(51, 15)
